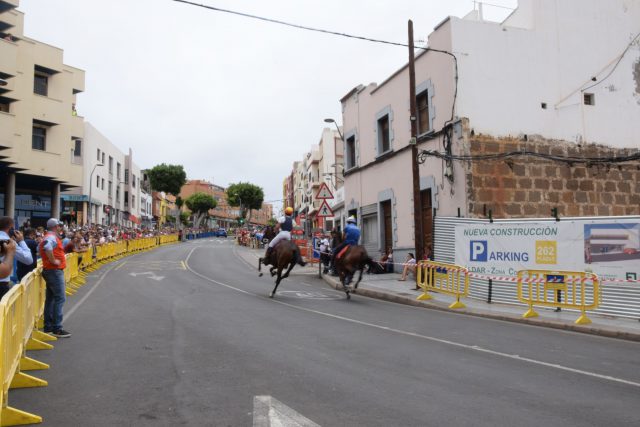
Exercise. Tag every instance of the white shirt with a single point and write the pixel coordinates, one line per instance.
(23, 254)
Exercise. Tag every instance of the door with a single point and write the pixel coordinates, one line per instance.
(370, 233)
(387, 224)
(427, 220)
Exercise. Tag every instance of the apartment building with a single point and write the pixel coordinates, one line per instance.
(106, 192)
(41, 132)
(321, 166)
(557, 78)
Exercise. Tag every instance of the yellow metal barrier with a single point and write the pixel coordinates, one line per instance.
(445, 278)
(21, 311)
(561, 289)
(14, 327)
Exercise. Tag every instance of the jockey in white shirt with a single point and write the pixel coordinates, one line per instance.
(284, 228)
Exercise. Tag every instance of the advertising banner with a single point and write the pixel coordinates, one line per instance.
(609, 248)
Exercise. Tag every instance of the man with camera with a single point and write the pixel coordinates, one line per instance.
(12, 246)
(53, 265)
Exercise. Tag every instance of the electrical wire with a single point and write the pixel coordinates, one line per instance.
(422, 156)
(626, 49)
(336, 33)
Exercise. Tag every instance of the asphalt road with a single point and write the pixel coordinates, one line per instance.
(186, 335)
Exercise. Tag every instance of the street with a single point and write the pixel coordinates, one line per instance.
(186, 335)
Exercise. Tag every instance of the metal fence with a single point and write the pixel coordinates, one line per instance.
(618, 299)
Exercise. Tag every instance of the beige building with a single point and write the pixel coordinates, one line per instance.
(41, 134)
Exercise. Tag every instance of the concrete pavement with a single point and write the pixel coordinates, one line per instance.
(387, 287)
(186, 335)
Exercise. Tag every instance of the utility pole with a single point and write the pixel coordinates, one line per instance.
(417, 205)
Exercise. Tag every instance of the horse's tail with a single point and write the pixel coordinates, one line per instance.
(369, 262)
(298, 256)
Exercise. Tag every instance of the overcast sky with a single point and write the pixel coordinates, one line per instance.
(230, 98)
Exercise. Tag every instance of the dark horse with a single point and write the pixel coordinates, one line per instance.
(354, 260)
(285, 255)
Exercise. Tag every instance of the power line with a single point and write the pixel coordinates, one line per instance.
(335, 33)
(499, 156)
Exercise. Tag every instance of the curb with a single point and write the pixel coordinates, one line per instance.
(628, 336)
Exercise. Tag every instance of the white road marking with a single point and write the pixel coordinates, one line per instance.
(149, 273)
(426, 337)
(270, 412)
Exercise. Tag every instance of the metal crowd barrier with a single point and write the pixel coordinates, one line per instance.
(444, 278)
(21, 311)
(561, 289)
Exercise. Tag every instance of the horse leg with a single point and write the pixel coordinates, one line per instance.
(278, 279)
(260, 267)
(359, 279)
(272, 270)
(291, 265)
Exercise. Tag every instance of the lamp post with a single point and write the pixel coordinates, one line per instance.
(91, 188)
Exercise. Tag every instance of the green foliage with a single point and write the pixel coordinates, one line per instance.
(200, 203)
(272, 222)
(167, 178)
(184, 218)
(179, 202)
(246, 195)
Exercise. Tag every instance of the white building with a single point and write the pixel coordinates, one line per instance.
(555, 74)
(104, 184)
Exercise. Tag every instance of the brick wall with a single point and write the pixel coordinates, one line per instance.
(530, 186)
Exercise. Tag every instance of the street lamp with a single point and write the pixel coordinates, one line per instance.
(91, 189)
(337, 128)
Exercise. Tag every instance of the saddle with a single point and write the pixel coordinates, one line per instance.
(342, 252)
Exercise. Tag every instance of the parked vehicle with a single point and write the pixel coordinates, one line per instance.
(221, 232)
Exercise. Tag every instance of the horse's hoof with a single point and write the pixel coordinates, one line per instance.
(348, 295)
(271, 295)
(260, 275)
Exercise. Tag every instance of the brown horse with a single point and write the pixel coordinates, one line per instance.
(354, 260)
(285, 255)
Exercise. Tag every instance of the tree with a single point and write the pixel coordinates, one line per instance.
(199, 204)
(245, 195)
(167, 178)
(272, 222)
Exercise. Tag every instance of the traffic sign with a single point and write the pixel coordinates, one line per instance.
(324, 192)
(324, 210)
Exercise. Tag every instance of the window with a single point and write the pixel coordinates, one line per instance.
(77, 148)
(422, 101)
(102, 182)
(110, 189)
(133, 180)
(126, 176)
(126, 199)
(384, 135)
(110, 165)
(133, 202)
(118, 169)
(40, 84)
(589, 99)
(351, 152)
(118, 193)
(4, 105)
(102, 158)
(98, 154)
(97, 181)
(39, 138)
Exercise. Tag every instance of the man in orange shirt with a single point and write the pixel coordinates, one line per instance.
(53, 265)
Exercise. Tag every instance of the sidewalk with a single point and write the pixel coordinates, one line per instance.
(387, 287)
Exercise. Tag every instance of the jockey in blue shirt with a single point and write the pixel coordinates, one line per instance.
(351, 236)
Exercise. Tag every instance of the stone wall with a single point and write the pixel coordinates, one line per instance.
(530, 186)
